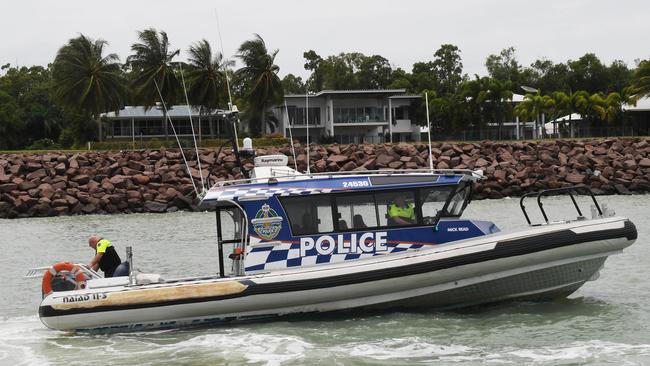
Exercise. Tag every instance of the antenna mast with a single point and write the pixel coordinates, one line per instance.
(307, 122)
(426, 99)
(293, 150)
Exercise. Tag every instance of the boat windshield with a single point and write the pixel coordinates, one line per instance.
(327, 213)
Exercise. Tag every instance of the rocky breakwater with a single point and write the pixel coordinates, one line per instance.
(157, 180)
(98, 182)
(607, 166)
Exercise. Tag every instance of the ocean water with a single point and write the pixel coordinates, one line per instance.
(607, 322)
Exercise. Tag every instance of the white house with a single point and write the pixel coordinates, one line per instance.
(349, 116)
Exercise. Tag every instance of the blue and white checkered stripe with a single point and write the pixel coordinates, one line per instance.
(282, 256)
(230, 193)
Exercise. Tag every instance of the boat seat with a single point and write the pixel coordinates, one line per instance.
(357, 222)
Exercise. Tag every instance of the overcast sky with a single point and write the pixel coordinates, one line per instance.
(403, 31)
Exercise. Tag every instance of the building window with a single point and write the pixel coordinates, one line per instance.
(297, 115)
(401, 112)
(358, 114)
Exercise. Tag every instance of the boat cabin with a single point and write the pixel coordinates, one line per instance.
(280, 219)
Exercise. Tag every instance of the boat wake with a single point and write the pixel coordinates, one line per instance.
(24, 341)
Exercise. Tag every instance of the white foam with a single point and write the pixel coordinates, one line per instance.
(400, 348)
(582, 351)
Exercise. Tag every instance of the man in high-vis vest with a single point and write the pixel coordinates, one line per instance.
(401, 213)
(106, 257)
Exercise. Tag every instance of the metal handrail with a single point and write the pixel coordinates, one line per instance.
(478, 175)
(546, 192)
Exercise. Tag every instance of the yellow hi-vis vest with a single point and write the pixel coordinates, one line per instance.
(407, 212)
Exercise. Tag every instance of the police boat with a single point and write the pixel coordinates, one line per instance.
(294, 243)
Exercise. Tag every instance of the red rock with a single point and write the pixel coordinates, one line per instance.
(350, 165)
(499, 175)
(8, 187)
(81, 179)
(337, 159)
(481, 163)
(384, 159)
(141, 179)
(442, 164)
(645, 162)
(40, 173)
(60, 202)
(118, 181)
(136, 165)
(575, 178)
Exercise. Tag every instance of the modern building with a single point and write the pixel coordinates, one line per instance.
(349, 116)
(135, 122)
(639, 116)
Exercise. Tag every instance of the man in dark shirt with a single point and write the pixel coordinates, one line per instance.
(106, 258)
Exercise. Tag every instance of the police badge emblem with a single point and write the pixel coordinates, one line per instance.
(267, 223)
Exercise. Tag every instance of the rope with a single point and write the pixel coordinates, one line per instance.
(196, 147)
(176, 135)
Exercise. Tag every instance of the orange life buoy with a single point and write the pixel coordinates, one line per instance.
(79, 276)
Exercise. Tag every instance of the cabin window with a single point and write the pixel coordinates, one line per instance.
(459, 201)
(356, 211)
(397, 208)
(433, 201)
(309, 214)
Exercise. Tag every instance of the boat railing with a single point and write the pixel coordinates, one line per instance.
(472, 174)
(570, 191)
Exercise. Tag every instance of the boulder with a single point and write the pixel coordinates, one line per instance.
(155, 206)
(40, 173)
(8, 187)
(575, 178)
(384, 159)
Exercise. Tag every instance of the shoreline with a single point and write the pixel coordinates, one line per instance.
(108, 182)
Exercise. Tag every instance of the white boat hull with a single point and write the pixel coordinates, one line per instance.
(541, 263)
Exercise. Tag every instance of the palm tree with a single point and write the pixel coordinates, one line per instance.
(641, 82)
(612, 107)
(207, 79)
(86, 80)
(259, 76)
(499, 94)
(562, 106)
(153, 71)
(532, 107)
(579, 104)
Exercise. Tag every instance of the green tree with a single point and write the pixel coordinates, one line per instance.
(505, 66)
(587, 73)
(374, 72)
(579, 104)
(401, 80)
(447, 68)
(561, 106)
(292, 84)
(259, 76)
(153, 71)
(313, 63)
(532, 107)
(10, 122)
(31, 88)
(499, 94)
(206, 80)
(641, 81)
(87, 80)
